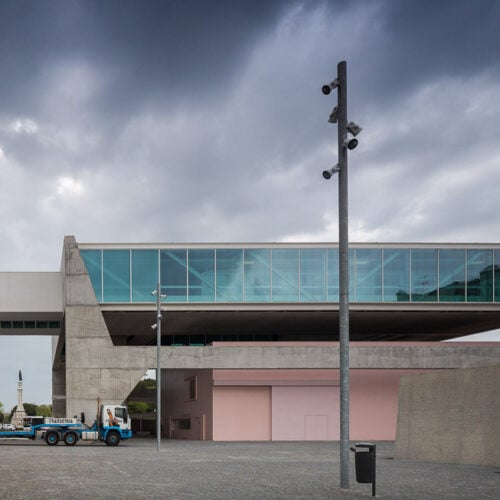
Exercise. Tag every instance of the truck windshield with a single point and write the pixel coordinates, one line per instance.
(121, 412)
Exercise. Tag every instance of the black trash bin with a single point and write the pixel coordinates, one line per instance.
(365, 460)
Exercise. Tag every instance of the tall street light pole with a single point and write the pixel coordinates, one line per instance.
(339, 115)
(157, 326)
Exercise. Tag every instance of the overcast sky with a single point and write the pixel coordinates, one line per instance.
(195, 121)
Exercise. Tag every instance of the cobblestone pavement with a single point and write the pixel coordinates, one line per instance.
(208, 470)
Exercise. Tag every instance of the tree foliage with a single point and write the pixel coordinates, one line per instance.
(34, 410)
(147, 384)
(137, 407)
(44, 410)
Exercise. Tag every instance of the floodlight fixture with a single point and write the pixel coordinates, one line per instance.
(353, 128)
(327, 174)
(326, 89)
(351, 143)
(154, 327)
(334, 115)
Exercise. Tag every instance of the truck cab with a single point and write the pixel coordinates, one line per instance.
(114, 424)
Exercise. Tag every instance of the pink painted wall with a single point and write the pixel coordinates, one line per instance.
(305, 403)
(374, 403)
(305, 413)
(242, 413)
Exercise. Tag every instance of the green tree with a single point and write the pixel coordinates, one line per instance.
(148, 384)
(30, 408)
(44, 410)
(1, 412)
(137, 407)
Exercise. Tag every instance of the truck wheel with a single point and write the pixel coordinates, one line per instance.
(52, 438)
(113, 438)
(70, 438)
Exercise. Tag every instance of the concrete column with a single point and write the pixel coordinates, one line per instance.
(95, 368)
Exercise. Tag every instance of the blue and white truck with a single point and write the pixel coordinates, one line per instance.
(111, 426)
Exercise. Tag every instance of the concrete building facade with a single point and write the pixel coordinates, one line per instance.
(455, 410)
(254, 327)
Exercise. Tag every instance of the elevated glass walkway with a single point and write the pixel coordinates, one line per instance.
(293, 273)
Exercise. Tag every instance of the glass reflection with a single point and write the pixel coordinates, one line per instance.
(479, 275)
(497, 275)
(144, 274)
(116, 275)
(201, 276)
(424, 275)
(396, 275)
(295, 274)
(285, 278)
(257, 275)
(452, 275)
(92, 259)
(173, 274)
(312, 275)
(368, 275)
(229, 265)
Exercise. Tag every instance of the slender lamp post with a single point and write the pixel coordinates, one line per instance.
(157, 327)
(339, 115)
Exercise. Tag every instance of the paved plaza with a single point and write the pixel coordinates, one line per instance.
(210, 470)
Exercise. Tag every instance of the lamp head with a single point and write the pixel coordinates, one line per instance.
(327, 174)
(326, 89)
(351, 143)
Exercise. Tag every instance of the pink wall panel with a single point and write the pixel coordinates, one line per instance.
(305, 413)
(242, 413)
(374, 404)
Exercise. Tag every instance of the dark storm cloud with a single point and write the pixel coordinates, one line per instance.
(151, 49)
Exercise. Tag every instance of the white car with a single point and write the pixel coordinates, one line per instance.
(9, 427)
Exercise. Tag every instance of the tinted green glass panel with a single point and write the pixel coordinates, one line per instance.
(201, 277)
(285, 280)
(313, 275)
(229, 266)
(368, 275)
(424, 275)
(92, 260)
(497, 275)
(257, 275)
(452, 275)
(479, 275)
(173, 274)
(144, 274)
(116, 276)
(396, 274)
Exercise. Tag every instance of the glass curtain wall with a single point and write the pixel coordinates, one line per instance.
(294, 274)
(452, 275)
(396, 272)
(479, 275)
(116, 275)
(368, 275)
(257, 275)
(424, 274)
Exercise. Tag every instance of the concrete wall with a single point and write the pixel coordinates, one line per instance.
(451, 416)
(31, 292)
(95, 368)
